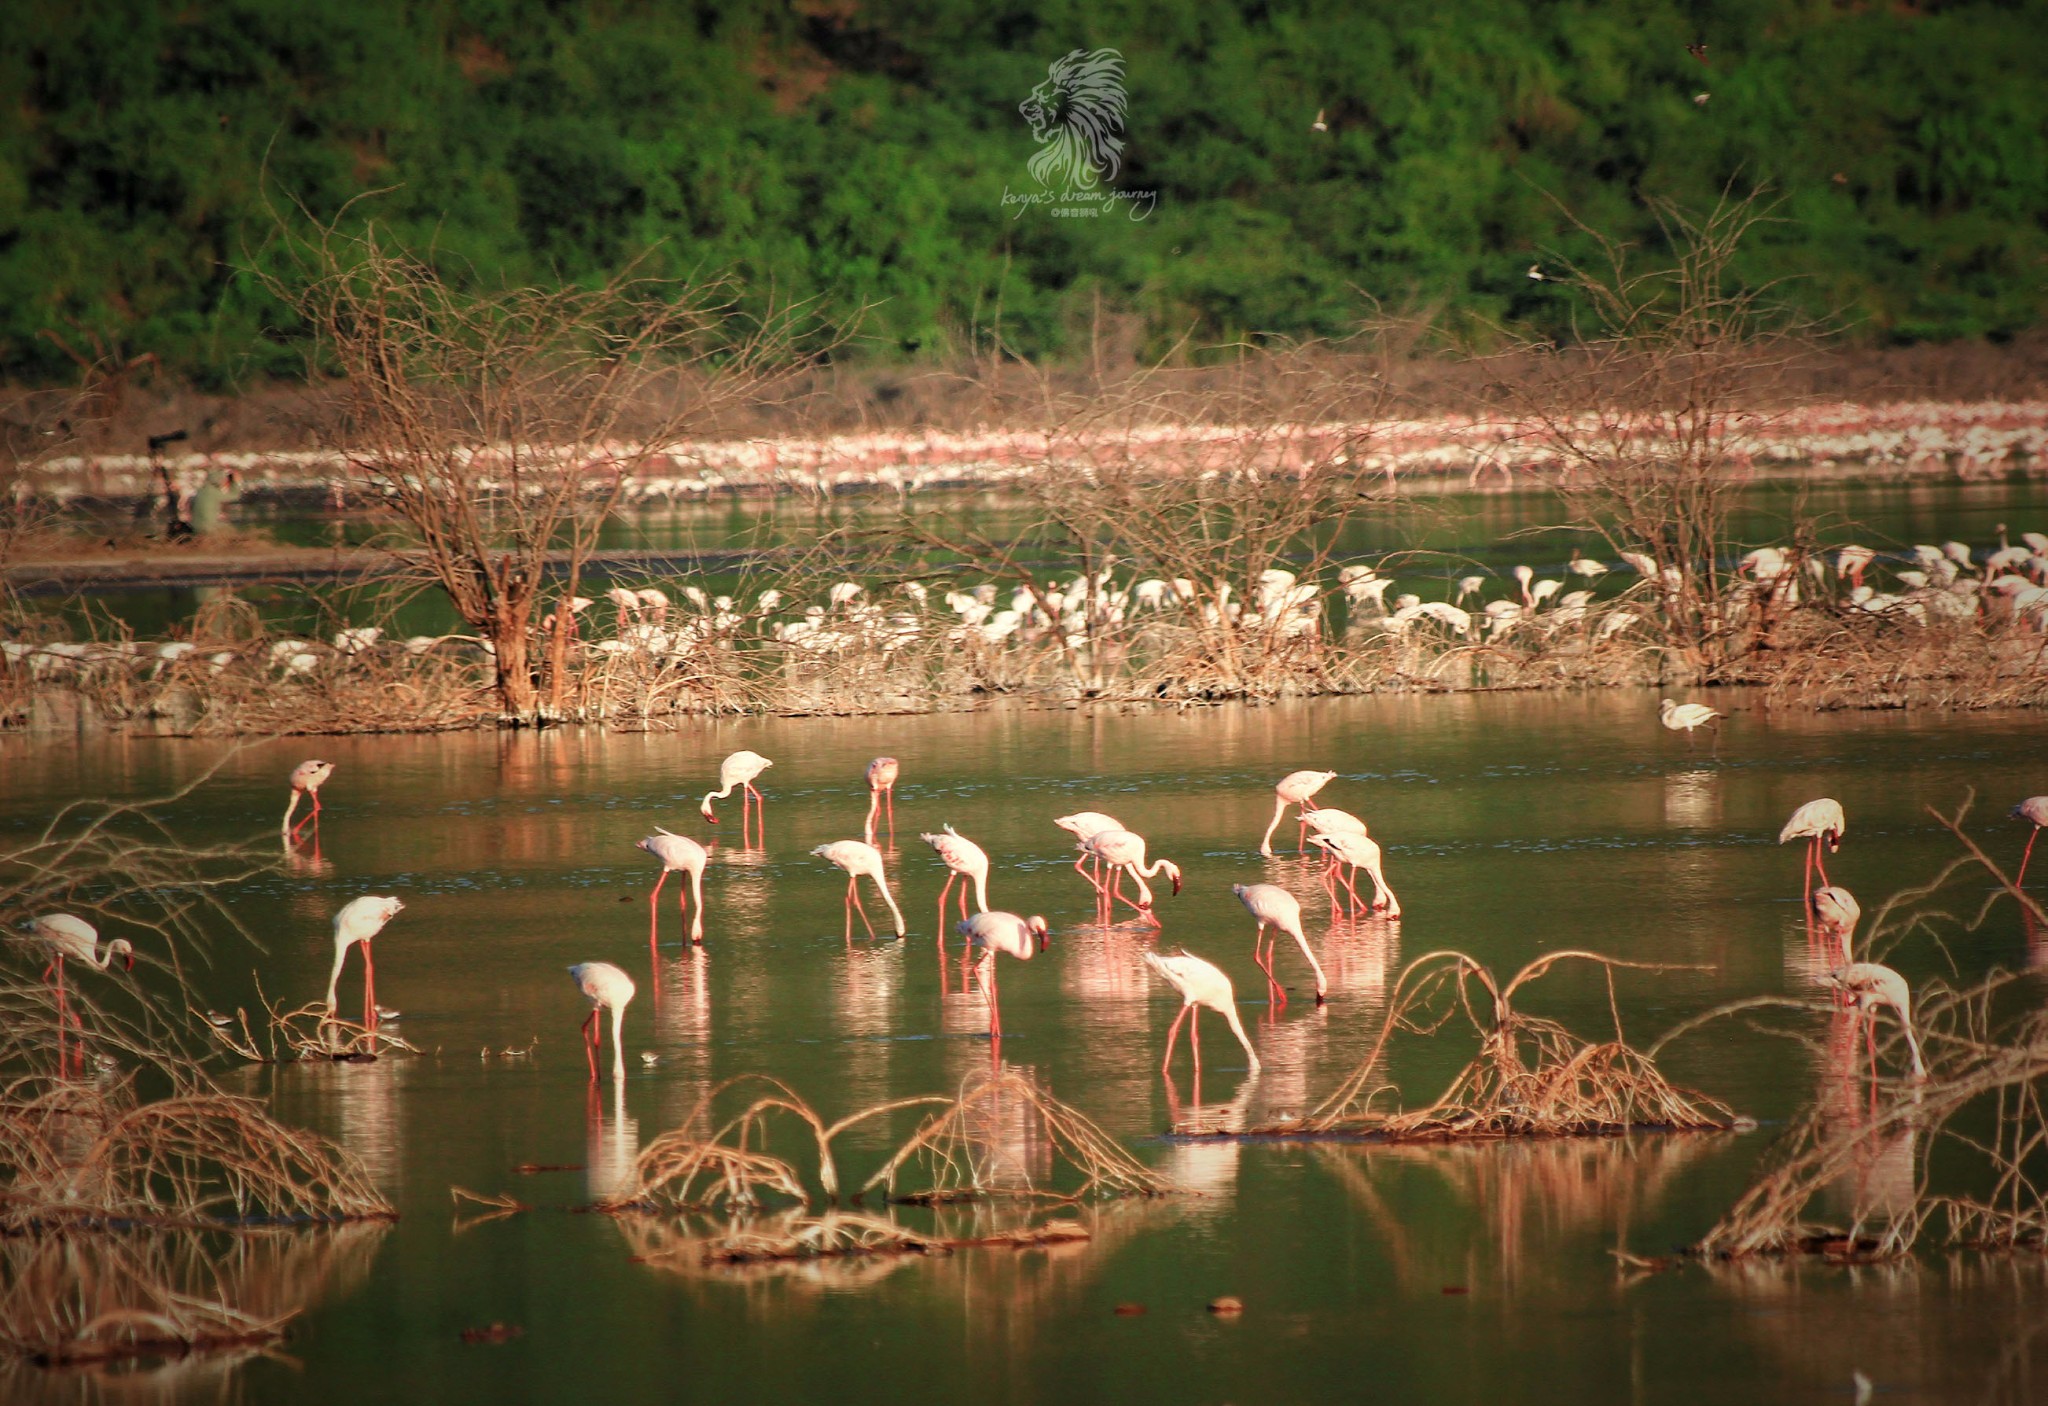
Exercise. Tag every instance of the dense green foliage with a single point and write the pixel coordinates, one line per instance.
(860, 150)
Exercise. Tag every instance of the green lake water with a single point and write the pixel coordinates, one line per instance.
(1513, 825)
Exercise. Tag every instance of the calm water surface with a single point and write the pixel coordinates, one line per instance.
(1513, 826)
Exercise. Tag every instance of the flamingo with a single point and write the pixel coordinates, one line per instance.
(1819, 823)
(1124, 853)
(678, 854)
(1328, 820)
(1688, 718)
(1359, 852)
(995, 932)
(1836, 912)
(307, 779)
(739, 770)
(858, 857)
(1274, 907)
(360, 920)
(607, 988)
(67, 936)
(2033, 809)
(1083, 825)
(882, 773)
(1200, 983)
(964, 860)
(1869, 985)
(1294, 789)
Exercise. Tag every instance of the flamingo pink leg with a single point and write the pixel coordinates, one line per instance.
(760, 817)
(1195, 1038)
(1820, 860)
(653, 914)
(590, 1043)
(950, 877)
(1172, 1034)
(369, 989)
(853, 892)
(2029, 854)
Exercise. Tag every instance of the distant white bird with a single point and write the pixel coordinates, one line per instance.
(1021, 938)
(1294, 789)
(739, 770)
(1274, 907)
(607, 988)
(1819, 823)
(1199, 983)
(1536, 273)
(1870, 985)
(1320, 124)
(1587, 567)
(965, 861)
(1328, 820)
(359, 920)
(678, 854)
(2034, 810)
(857, 858)
(1686, 718)
(306, 780)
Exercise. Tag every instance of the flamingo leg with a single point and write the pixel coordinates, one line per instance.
(1806, 895)
(369, 987)
(760, 816)
(963, 898)
(1195, 1040)
(849, 910)
(653, 915)
(950, 877)
(853, 888)
(1301, 839)
(1820, 860)
(1351, 883)
(1172, 1034)
(2029, 854)
(590, 1042)
(988, 993)
(874, 805)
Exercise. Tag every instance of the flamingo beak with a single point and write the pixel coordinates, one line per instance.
(128, 961)
(1176, 886)
(709, 816)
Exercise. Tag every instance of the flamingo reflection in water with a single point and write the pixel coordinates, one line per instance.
(611, 1145)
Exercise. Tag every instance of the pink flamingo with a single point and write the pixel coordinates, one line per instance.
(307, 779)
(607, 988)
(678, 854)
(739, 770)
(1082, 825)
(1199, 983)
(1274, 907)
(1123, 852)
(1835, 912)
(1294, 789)
(993, 932)
(1870, 985)
(1819, 823)
(360, 920)
(882, 773)
(858, 857)
(965, 860)
(67, 936)
(1357, 852)
(2034, 809)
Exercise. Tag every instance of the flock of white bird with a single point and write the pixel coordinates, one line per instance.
(1107, 854)
(1968, 439)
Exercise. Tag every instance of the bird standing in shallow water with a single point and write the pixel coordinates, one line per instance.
(307, 778)
(857, 857)
(1358, 852)
(882, 773)
(1274, 907)
(1870, 985)
(1835, 912)
(1022, 938)
(2034, 810)
(360, 920)
(678, 854)
(1123, 852)
(68, 936)
(1294, 789)
(739, 770)
(1688, 718)
(607, 988)
(965, 860)
(1819, 823)
(1200, 983)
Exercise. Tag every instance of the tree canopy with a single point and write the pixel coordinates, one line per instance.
(860, 150)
